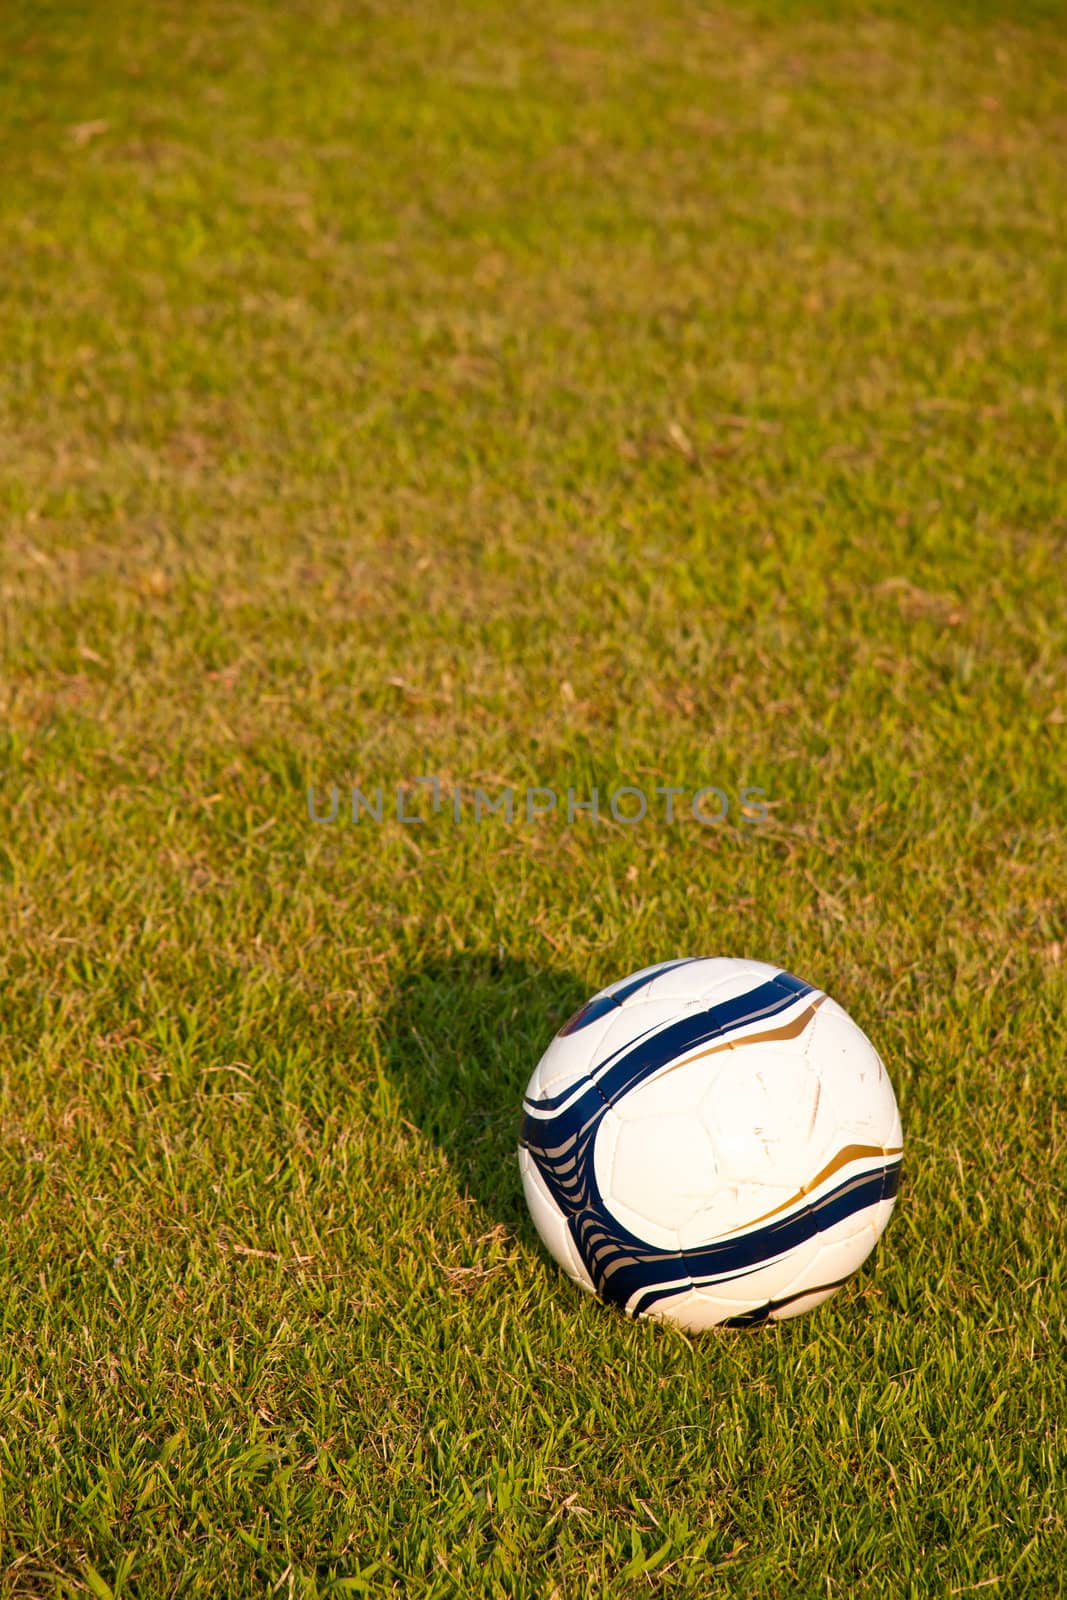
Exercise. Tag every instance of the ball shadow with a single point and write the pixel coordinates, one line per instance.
(461, 1038)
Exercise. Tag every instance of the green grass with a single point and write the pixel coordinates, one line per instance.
(524, 395)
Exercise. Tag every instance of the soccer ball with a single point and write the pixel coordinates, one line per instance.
(710, 1141)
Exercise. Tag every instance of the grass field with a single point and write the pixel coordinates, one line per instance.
(519, 395)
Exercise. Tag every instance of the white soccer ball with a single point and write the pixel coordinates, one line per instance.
(710, 1141)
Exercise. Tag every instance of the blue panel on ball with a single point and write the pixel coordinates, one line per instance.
(600, 1004)
(733, 1257)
